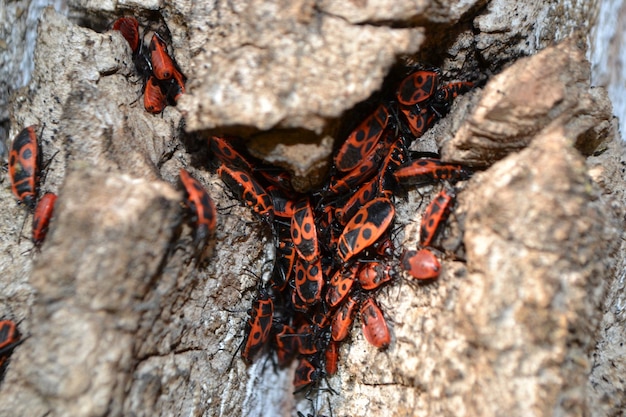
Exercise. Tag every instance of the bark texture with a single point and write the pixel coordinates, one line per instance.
(122, 319)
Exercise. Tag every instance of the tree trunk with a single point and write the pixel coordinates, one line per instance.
(119, 316)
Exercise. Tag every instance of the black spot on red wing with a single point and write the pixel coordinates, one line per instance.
(367, 233)
(300, 274)
(435, 207)
(350, 158)
(307, 227)
(379, 211)
(351, 238)
(310, 290)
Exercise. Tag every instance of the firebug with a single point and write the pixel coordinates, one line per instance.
(426, 170)
(42, 216)
(418, 119)
(306, 375)
(340, 285)
(374, 274)
(224, 150)
(286, 347)
(442, 101)
(374, 325)
(367, 225)
(286, 256)
(434, 215)
(343, 318)
(154, 100)
(309, 281)
(201, 206)
(304, 232)
(9, 340)
(258, 326)
(331, 356)
(364, 194)
(248, 190)
(24, 166)
(417, 87)
(422, 264)
(362, 141)
(162, 64)
(129, 28)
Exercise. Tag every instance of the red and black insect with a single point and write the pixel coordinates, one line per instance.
(309, 281)
(366, 168)
(343, 318)
(277, 178)
(224, 150)
(42, 216)
(286, 256)
(367, 225)
(417, 87)
(422, 264)
(162, 64)
(286, 343)
(304, 232)
(201, 206)
(418, 120)
(306, 374)
(24, 166)
(434, 215)
(363, 195)
(248, 190)
(374, 274)
(284, 207)
(362, 141)
(129, 28)
(258, 326)
(427, 170)
(396, 157)
(154, 100)
(306, 337)
(331, 358)
(340, 285)
(374, 325)
(173, 88)
(9, 339)
(442, 101)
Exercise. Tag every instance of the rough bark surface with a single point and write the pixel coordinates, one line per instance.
(122, 319)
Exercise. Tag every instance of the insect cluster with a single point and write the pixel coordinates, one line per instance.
(24, 175)
(164, 82)
(334, 247)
